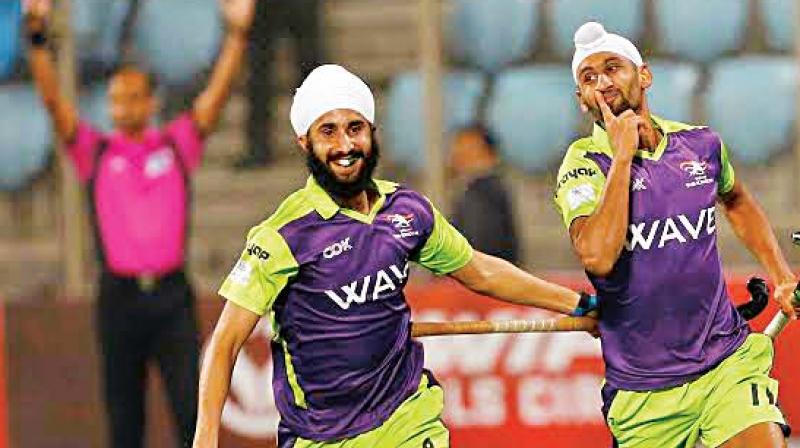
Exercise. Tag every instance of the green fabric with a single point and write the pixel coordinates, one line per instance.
(580, 183)
(291, 376)
(417, 423)
(445, 250)
(726, 175)
(735, 395)
(255, 282)
(327, 208)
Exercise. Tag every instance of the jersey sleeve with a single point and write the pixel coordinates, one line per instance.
(726, 175)
(188, 140)
(83, 148)
(445, 250)
(580, 184)
(263, 270)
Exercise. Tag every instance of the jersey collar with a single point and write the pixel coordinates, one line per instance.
(603, 144)
(327, 207)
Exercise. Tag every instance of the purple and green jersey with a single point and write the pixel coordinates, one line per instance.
(666, 317)
(331, 281)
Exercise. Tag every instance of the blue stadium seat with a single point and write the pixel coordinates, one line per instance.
(779, 16)
(534, 112)
(405, 125)
(97, 28)
(178, 38)
(674, 87)
(9, 36)
(751, 103)
(25, 136)
(625, 17)
(491, 34)
(701, 30)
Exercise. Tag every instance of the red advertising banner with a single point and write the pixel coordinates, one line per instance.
(531, 390)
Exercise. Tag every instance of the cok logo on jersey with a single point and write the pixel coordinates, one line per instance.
(697, 171)
(389, 279)
(679, 229)
(338, 248)
(403, 224)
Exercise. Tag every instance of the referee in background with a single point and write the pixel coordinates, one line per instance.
(137, 179)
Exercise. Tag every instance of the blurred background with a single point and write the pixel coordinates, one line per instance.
(436, 67)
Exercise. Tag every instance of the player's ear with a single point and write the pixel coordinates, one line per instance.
(581, 103)
(302, 142)
(645, 76)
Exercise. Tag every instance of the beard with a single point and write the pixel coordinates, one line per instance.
(336, 188)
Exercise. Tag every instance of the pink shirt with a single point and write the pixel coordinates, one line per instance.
(140, 194)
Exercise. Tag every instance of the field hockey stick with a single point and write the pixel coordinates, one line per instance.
(420, 329)
(779, 322)
(756, 287)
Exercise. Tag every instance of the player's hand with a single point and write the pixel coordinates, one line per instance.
(784, 294)
(594, 331)
(623, 130)
(36, 14)
(238, 14)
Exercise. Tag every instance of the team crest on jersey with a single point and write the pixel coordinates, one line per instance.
(696, 170)
(403, 224)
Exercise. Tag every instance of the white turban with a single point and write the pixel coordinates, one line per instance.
(592, 38)
(327, 88)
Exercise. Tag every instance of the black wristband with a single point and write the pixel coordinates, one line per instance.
(38, 38)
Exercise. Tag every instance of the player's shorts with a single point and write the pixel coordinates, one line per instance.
(736, 394)
(417, 423)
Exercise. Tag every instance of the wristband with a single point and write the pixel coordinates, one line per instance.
(38, 38)
(586, 305)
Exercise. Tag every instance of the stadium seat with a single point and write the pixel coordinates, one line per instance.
(701, 30)
(751, 103)
(491, 34)
(625, 17)
(405, 125)
(534, 112)
(674, 87)
(25, 137)
(779, 17)
(9, 36)
(97, 28)
(178, 38)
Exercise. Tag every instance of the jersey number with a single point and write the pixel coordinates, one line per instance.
(754, 393)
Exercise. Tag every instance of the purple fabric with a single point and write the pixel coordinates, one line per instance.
(665, 314)
(354, 359)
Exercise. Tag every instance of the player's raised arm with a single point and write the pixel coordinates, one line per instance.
(62, 111)
(208, 105)
(598, 239)
(233, 328)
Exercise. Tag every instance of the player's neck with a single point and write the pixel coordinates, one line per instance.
(649, 135)
(362, 202)
(135, 135)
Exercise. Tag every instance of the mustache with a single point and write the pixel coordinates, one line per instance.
(356, 153)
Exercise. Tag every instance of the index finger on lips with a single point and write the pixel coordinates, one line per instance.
(608, 116)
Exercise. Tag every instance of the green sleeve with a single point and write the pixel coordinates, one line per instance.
(726, 174)
(580, 184)
(446, 250)
(263, 270)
